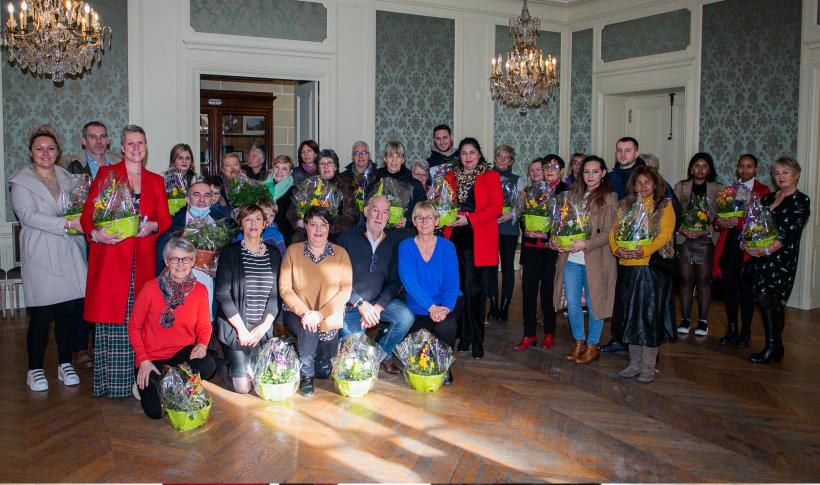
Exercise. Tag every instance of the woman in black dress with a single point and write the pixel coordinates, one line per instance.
(775, 265)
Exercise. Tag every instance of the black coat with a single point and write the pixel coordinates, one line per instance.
(417, 193)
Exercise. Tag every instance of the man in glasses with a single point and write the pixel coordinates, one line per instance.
(376, 283)
(359, 160)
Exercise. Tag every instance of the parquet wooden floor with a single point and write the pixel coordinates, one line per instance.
(513, 417)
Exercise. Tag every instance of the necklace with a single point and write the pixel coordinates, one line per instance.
(259, 251)
(426, 251)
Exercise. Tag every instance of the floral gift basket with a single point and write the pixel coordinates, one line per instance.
(570, 219)
(174, 190)
(759, 229)
(356, 365)
(536, 211)
(732, 200)
(114, 210)
(697, 216)
(315, 191)
(632, 227)
(183, 398)
(276, 370)
(243, 191)
(446, 204)
(426, 360)
(398, 193)
(70, 204)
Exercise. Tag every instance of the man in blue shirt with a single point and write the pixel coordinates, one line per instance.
(95, 143)
(376, 282)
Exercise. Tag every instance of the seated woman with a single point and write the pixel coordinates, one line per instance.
(170, 324)
(428, 268)
(315, 281)
(245, 290)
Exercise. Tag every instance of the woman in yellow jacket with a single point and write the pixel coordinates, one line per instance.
(644, 304)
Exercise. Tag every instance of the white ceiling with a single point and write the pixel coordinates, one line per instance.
(558, 2)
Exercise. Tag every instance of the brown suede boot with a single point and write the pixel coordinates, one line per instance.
(591, 353)
(634, 363)
(580, 347)
(648, 356)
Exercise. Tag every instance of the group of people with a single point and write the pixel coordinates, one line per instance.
(332, 273)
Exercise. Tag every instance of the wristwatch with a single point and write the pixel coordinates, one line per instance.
(358, 303)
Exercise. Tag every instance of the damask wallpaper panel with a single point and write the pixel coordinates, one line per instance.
(414, 81)
(273, 19)
(536, 133)
(580, 104)
(656, 34)
(100, 94)
(750, 65)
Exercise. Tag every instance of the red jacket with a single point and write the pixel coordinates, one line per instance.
(759, 190)
(109, 266)
(489, 202)
(150, 340)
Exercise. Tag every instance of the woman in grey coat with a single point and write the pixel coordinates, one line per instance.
(53, 262)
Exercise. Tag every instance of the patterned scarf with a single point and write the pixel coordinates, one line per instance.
(466, 180)
(174, 294)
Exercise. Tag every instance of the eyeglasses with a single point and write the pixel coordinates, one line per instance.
(185, 260)
(360, 152)
(327, 164)
(423, 219)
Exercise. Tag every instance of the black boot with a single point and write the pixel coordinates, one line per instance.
(744, 339)
(613, 346)
(492, 314)
(731, 335)
(771, 311)
(504, 309)
(306, 386)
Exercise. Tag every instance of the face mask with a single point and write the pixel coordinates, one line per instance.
(199, 212)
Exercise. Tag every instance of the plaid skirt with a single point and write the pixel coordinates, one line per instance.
(113, 355)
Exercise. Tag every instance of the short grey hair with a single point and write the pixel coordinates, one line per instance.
(258, 151)
(132, 129)
(394, 148)
(358, 143)
(651, 160)
(180, 243)
(423, 164)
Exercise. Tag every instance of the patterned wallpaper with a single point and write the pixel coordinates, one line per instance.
(580, 107)
(414, 81)
(656, 34)
(275, 19)
(535, 134)
(750, 77)
(101, 94)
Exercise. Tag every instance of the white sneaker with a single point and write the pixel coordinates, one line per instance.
(135, 392)
(36, 380)
(66, 374)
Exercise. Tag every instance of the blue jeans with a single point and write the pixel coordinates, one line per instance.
(395, 313)
(575, 279)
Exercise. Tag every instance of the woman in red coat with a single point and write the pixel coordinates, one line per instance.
(475, 234)
(119, 267)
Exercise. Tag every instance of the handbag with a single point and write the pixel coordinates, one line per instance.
(666, 261)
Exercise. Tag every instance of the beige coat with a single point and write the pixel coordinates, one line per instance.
(683, 190)
(602, 268)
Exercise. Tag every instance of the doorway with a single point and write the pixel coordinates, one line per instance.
(240, 113)
(657, 119)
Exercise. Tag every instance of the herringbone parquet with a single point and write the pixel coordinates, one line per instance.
(513, 417)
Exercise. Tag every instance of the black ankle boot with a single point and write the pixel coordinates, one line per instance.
(492, 314)
(744, 339)
(504, 309)
(731, 335)
(306, 386)
(771, 311)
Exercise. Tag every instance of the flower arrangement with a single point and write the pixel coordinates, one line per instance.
(732, 200)
(183, 398)
(317, 192)
(536, 213)
(759, 229)
(70, 204)
(360, 183)
(509, 187)
(446, 204)
(209, 236)
(697, 217)
(398, 193)
(243, 191)
(356, 365)
(570, 220)
(276, 370)
(632, 227)
(174, 190)
(426, 360)
(114, 210)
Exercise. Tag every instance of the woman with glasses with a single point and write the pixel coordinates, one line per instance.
(170, 324)
(246, 292)
(538, 262)
(475, 235)
(428, 268)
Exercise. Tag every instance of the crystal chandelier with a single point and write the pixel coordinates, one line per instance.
(54, 38)
(526, 79)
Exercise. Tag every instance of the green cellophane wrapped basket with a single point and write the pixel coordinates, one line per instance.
(506, 210)
(360, 204)
(396, 215)
(760, 243)
(448, 218)
(353, 388)
(70, 217)
(277, 392)
(567, 240)
(185, 420)
(126, 227)
(536, 223)
(424, 383)
(174, 205)
(633, 245)
(727, 215)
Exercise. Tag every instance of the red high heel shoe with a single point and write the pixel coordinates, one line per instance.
(549, 339)
(526, 342)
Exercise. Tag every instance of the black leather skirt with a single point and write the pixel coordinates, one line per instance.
(645, 306)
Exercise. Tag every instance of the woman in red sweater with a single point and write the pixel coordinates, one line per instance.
(475, 234)
(170, 324)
